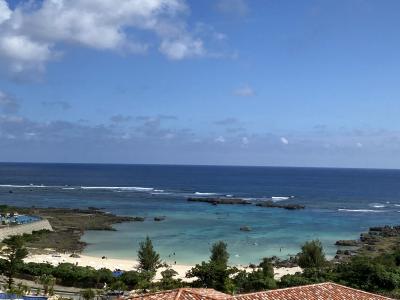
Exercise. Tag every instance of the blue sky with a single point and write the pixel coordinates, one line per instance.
(262, 82)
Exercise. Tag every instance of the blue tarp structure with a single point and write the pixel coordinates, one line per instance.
(34, 297)
(5, 296)
(117, 273)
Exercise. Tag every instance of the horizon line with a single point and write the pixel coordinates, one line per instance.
(195, 165)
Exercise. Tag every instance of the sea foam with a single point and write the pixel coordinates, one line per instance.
(377, 205)
(360, 210)
(121, 188)
(205, 194)
(281, 198)
(26, 186)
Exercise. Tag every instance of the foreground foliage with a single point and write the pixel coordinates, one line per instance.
(14, 251)
(379, 274)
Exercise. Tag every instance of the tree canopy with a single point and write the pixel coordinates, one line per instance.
(149, 259)
(14, 253)
(312, 255)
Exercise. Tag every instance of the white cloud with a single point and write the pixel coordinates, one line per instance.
(30, 33)
(284, 141)
(179, 49)
(5, 12)
(220, 139)
(359, 145)
(244, 91)
(21, 53)
(245, 141)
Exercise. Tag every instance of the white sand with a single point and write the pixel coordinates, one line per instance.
(123, 264)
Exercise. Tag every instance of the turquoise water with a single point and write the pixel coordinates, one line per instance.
(189, 234)
(340, 203)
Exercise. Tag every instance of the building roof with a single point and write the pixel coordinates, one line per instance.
(321, 291)
(185, 294)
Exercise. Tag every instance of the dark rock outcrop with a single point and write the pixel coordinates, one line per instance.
(216, 201)
(245, 228)
(278, 205)
(349, 243)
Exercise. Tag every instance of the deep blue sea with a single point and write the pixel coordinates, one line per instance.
(340, 203)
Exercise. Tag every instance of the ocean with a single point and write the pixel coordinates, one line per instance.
(340, 204)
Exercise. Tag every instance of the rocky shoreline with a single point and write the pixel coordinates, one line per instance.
(376, 240)
(280, 205)
(240, 201)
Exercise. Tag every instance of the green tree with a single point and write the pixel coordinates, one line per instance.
(368, 274)
(259, 279)
(14, 252)
(118, 286)
(48, 282)
(214, 273)
(104, 276)
(290, 280)
(149, 259)
(219, 254)
(131, 279)
(312, 258)
(20, 289)
(168, 282)
(88, 294)
(267, 268)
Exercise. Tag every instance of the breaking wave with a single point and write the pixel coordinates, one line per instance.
(25, 186)
(360, 210)
(377, 205)
(120, 188)
(205, 194)
(281, 198)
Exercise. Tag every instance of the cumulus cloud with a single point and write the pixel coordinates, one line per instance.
(160, 139)
(5, 12)
(155, 127)
(22, 128)
(284, 140)
(220, 139)
(8, 104)
(177, 49)
(32, 32)
(244, 91)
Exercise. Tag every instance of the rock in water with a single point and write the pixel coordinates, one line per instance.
(245, 228)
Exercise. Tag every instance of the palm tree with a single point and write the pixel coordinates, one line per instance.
(48, 282)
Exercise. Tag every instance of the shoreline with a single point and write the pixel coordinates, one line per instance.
(56, 258)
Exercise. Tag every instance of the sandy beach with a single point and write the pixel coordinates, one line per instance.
(124, 264)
